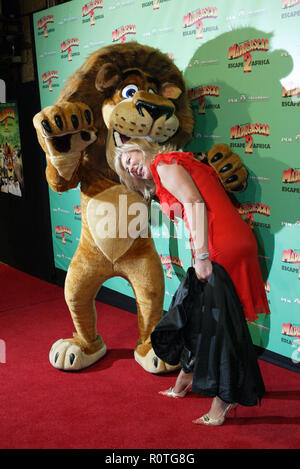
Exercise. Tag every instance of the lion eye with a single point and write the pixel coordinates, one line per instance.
(151, 90)
(129, 91)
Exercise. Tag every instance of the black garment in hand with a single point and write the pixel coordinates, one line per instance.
(205, 329)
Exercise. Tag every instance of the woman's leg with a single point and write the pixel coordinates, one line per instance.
(217, 408)
(182, 386)
(183, 381)
(217, 413)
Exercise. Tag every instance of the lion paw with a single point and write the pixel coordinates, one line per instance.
(66, 128)
(151, 363)
(229, 167)
(67, 356)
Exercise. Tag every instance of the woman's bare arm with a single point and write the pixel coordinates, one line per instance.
(180, 184)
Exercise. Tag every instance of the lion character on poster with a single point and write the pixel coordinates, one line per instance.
(121, 91)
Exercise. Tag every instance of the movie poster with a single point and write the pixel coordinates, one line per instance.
(11, 166)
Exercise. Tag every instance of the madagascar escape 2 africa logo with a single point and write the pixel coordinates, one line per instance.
(77, 212)
(244, 50)
(61, 232)
(198, 95)
(290, 4)
(88, 12)
(293, 332)
(250, 208)
(47, 79)
(290, 98)
(66, 48)
(195, 19)
(120, 34)
(43, 25)
(290, 177)
(290, 256)
(247, 131)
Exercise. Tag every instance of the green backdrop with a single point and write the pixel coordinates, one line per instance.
(241, 63)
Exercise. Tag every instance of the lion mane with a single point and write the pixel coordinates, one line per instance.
(97, 79)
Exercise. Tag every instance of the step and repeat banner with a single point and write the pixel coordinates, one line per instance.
(241, 63)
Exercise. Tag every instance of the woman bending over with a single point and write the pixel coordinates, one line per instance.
(218, 237)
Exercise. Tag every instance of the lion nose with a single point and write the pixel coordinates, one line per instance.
(155, 110)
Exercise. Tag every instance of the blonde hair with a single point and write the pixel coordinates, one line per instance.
(149, 150)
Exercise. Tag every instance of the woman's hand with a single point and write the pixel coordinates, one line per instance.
(203, 269)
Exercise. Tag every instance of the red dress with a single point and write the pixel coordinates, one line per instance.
(231, 241)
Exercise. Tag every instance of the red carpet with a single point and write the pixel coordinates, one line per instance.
(115, 403)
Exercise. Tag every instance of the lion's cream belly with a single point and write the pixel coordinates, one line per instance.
(116, 217)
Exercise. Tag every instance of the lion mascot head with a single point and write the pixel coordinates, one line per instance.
(132, 90)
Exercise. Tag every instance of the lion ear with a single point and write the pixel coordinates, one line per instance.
(108, 77)
(170, 90)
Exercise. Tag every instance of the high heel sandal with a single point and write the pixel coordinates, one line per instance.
(171, 393)
(207, 420)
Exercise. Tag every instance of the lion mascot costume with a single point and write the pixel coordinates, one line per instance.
(121, 91)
